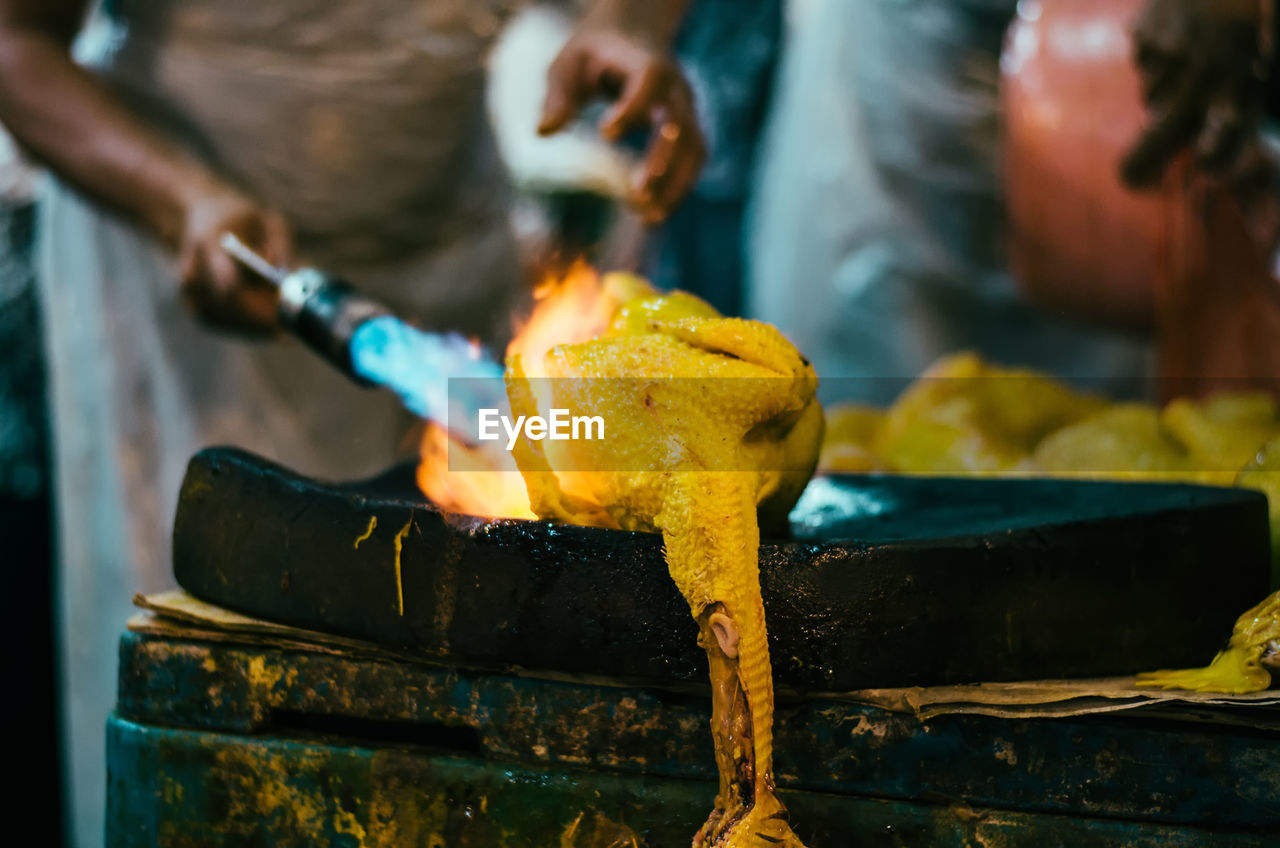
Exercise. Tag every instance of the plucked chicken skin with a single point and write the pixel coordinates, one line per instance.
(713, 429)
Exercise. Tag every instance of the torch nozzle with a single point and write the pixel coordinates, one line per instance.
(247, 257)
(371, 346)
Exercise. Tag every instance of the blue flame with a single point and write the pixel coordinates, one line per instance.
(418, 366)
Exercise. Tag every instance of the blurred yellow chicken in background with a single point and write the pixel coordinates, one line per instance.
(964, 416)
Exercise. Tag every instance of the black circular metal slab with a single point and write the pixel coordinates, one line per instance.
(887, 581)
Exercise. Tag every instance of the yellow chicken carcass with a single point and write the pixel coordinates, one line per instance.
(1206, 442)
(963, 415)
(712, 428)
(1241, 667)
(1123, 442)
(1225, 431)
(848, 445)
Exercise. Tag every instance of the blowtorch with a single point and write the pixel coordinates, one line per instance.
(373, 347)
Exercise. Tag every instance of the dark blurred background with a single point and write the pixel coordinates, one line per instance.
(29, 706)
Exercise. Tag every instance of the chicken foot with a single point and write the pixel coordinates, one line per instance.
(712, 539)
(734, 748)
(730, 725)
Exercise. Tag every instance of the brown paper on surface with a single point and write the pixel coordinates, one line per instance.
(177, 614)
(1060, 699)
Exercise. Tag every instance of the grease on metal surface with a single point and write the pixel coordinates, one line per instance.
(373, 523)
(400, 537)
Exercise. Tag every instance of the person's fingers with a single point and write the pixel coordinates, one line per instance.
(664, 194)
(188, 264)
(1256, 184)
(240, 302)
(1260, 212)
(189, 280)
(652, 93)
(219, 296)
(681, 177)
(1221, 138)
(197, 294)
(1162, 33)
(663, 149)
(222, 272)
(1173, 127)
(1254, 166)
(639, 92)
(1147, 57)
(564, 87)
(675, 157)
(1158, 74)
(254, 310)
(664, 190)
(260, 301)
(277, 240)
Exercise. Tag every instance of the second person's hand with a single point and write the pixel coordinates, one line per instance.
(624, 57)
(1203, 70)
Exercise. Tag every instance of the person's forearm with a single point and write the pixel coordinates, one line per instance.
(657, 21)
(71, 122)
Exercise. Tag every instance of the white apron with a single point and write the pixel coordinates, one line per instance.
(875, 233)
(363, 122)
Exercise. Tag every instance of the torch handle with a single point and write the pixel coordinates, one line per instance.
(250, 259)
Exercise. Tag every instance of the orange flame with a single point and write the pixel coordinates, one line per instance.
(484, 480)
(571, 308)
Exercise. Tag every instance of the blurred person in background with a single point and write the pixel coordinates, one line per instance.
(877, 227)
(876, 232)
(349, 134)
(1208, 71)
